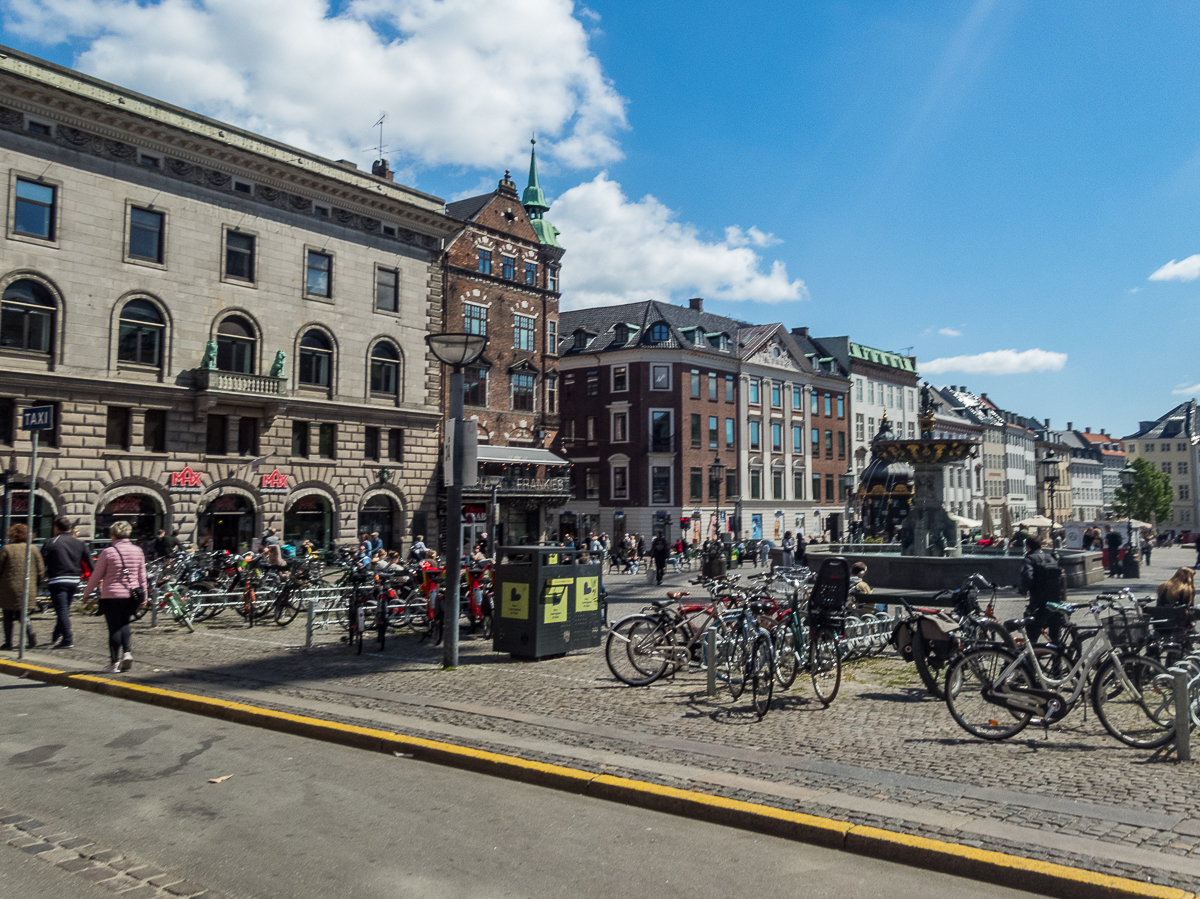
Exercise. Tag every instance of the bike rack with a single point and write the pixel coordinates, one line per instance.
(1183, 679)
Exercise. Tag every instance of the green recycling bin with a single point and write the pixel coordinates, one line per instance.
(547, 602)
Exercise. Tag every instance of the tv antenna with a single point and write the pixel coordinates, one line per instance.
(380, 147)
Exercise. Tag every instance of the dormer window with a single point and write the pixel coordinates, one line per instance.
(621, 335)
(582, 339)
(659, 332)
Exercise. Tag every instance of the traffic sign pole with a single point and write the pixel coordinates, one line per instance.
(28, 543)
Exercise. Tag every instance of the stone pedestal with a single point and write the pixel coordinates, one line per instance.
(928, 530)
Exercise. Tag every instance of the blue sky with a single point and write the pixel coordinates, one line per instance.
(964, 179)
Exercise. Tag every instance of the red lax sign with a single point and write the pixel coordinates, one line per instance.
(275, 481)
(186, 479)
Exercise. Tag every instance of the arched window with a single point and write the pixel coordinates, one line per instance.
(27, 317)
(316, 356)
(385, 369)
(141, 334)
(235, 345)
(659, 331)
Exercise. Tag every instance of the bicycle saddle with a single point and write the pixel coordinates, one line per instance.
(676, 594)
(1013, 624)
(661, 603)
(760, 608)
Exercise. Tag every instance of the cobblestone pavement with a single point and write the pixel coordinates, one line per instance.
(883, 754)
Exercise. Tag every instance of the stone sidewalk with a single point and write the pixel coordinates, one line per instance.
(884, 754)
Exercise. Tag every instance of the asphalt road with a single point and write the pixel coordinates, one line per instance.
(307, 819)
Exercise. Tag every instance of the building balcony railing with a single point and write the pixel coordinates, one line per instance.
(662, 445)
(239, 382)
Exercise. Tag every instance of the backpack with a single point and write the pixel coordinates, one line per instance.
(1048, 583)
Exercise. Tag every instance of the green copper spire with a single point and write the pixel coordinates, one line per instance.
(533, 199)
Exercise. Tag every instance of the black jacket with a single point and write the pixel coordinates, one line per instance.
(63, 554)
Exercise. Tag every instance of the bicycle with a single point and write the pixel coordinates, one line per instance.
(993, 693)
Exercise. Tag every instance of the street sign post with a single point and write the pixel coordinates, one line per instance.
(35, 419)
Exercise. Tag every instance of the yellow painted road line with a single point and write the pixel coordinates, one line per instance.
(998, 868)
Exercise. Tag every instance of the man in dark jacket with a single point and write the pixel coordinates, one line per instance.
(1112, 539)
(63, 555)
(659, 551)
(1041, 579)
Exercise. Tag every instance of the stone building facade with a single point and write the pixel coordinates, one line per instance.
(1172, 445)
(502, 273)
(231, 330)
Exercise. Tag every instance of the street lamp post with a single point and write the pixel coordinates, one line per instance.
(1128, 477)
(1050, 477)
(457, 351)
(716, 473)
(847, 479)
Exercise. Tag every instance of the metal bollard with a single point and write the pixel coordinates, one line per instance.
(1183, 716)
(153, 610)
(710, 643)
(309, 619)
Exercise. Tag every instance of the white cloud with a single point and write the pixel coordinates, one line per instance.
(1187, 270)
(949, 332)
(997, 362)
(1185, 390)
(736, 237)
(458, 77)
(622, 252)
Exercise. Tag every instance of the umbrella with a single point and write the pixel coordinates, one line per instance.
(1035, 521)
(1006, 528)
(964, 522)
(989, 525)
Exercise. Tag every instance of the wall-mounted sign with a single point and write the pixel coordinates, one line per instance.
(275, 482)
(186, 481)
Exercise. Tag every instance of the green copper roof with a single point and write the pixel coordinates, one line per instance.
(881, 357)
(546, 232)
(533, 199)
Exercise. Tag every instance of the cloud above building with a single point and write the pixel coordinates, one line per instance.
(950, 332)
(998, 362)
(1184, 270)
(623, 251)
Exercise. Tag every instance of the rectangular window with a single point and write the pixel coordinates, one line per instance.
(620, 378)
(1166, 467)
(796, 397)
(816, 488)
(858, 391)
(551, 394)
(828, 488)
(816, 399)
(695, 429)
(593, 382)
(569, 430)
(146, 234)
(552, 336)
(475, 319)
(912, 430)
(841, 404)
(755, 435)
(714, 433)
(841, 444)
(592, 485)
(776, 485)
(395, 446)
(910, 401)
(319, 277)
(387, 290)
(522, 393)
(871, 392)
(660, 485)
(829, 444)
(371, 444)
(889, 395)
(1149, 447)
(552, 278)
(660, 377)
(755, 483)
(776, 437)
(299, 439)
(34, 215)
(247, 436)
(154, 431)
(327, 440)
(859, 428)
(695, 383)
(620, 427)
(696, 484)
(1166, 447)
(798, 484)
(1182, 468)
(714, 487)
(660, 432)
(474, 387)
(215, 439)
(776, 395)
(620, 482)
(729, 388)
(485, 262)
(1181, 447)
(508, 268)
(729, 433)
(8, 419)
(731, 487)
(829, 405)
(531, 274)
(712, 385)
(239, 256)
(816, 443)
(797, 439)
(591, 427)
(523, 332)
(116, 431)
(755, 385)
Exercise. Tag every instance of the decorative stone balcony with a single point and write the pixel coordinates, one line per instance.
(214, 381)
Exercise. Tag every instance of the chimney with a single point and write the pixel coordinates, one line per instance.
(800, 332)
(983, 396)
(954, 387)
(696, 303)
(1070, 426)
(1087, 430)
(1047, 424)
(380, 169)
(1104, 432)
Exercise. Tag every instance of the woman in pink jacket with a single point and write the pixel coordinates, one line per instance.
(119, 571)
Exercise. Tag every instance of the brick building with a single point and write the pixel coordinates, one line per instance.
(191, 298)
(502, 273)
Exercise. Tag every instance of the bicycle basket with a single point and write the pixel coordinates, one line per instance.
(1126, 632)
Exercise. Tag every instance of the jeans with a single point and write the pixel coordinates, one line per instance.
(120, 636)
(61, 596)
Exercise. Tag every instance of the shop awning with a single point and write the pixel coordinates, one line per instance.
(519, 455)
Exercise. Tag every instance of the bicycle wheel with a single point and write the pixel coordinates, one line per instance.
(966, 681)
(1131, 705)
(762, 674)
(824, 664)
(736, 661)
(926, 660)
(786, 663)
(638, 650)
(288, 604)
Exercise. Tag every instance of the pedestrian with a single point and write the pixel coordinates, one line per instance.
(1147, 546)
(788, 546)
(659, 551)
(416, 552)
(641, 545)
(1042, 580)
(764, 552)
(160, 544)
(860, 591)
(64, 557)
(1113, 541)
(1180, 590)
(12, 583)
(120, 576)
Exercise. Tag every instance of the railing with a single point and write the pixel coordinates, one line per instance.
(239, 382)
(662, 445)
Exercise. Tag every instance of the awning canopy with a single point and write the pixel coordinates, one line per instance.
(1035, 521)
(963, 522)
(519, 455)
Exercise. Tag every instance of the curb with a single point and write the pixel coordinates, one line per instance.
(984, 865)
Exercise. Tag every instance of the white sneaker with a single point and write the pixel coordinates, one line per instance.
(115, 669)
(126, 662)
